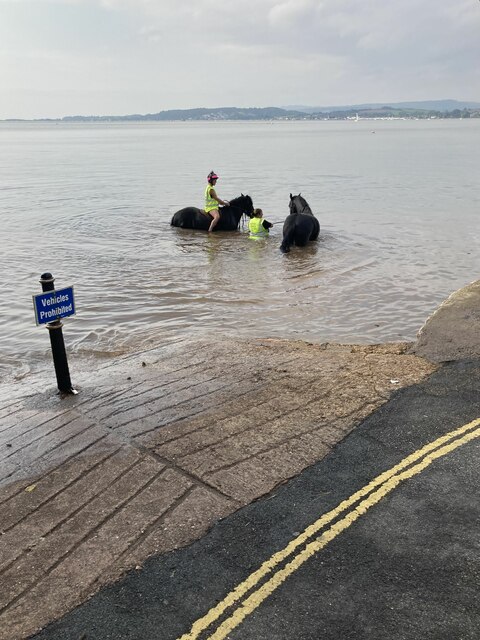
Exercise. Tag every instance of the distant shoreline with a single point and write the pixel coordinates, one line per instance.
(440, 110)
(120, 120)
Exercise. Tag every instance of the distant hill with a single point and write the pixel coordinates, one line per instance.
(426, 105)
(219, 113)
(425, 109)
(400, 110)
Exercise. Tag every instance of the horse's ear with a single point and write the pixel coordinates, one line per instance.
(241, 195)
(291, 197)
(300, 193)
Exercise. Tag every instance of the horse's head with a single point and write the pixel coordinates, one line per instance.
(244, 203)
(298, 204)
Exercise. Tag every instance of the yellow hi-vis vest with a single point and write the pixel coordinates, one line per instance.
(256, 228)
(210, 203)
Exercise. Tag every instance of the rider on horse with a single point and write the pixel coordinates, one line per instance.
(212, 200)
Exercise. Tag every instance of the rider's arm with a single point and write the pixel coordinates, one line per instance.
(266, 224)
(213, 194)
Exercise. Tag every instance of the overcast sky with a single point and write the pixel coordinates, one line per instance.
(83, 57)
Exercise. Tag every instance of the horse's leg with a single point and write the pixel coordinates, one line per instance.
(303, 231)
(178, 218)
(316, 230)
(288, 235)
(187, 219)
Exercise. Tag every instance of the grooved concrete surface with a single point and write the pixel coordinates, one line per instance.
(159, 446)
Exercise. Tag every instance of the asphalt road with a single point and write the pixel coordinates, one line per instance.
(400, 560)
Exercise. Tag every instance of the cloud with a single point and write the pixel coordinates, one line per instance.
(151, 34)
(268, 51)
(324, 26)
(291, 13)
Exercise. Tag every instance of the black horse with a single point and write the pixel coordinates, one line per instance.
(300, 225)
(193, 218)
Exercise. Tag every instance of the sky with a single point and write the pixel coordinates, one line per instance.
(116, 57)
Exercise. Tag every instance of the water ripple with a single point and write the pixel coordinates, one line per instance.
(397, 236)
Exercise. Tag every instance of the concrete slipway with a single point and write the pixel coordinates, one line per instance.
(159, 446)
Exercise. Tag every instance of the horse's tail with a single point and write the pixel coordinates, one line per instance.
(287, 240)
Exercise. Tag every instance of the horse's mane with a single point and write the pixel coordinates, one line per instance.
(244, 203)
(241, 201)
(298, 204)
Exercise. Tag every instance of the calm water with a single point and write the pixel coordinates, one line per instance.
(398, 203)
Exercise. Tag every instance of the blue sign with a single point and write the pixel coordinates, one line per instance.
(53, 305)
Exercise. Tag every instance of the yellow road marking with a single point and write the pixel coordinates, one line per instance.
(384, 484)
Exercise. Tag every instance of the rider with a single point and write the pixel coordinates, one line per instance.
(212, 200)
(258, 226)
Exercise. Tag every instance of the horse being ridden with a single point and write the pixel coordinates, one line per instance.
(300, 225)
(230, 216)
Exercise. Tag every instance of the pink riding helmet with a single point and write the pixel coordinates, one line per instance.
(212, 176)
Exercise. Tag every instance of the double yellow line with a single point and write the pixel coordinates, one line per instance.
(366, 497)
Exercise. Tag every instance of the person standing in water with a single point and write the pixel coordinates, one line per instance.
(212, 200)
(258, 227)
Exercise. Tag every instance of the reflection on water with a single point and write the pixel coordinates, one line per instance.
(397, 235)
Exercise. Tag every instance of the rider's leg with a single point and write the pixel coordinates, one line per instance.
(216, 217)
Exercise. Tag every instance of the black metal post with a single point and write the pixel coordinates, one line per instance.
(56, 340)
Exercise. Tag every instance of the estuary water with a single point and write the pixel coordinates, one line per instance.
(398, 203)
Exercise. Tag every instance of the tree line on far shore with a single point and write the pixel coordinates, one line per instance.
(274, 113)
